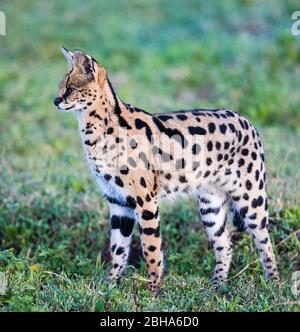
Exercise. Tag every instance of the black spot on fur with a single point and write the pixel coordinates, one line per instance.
(244, 211)
(140, 124)
(206, 174)
(252, 226)
(168, 176)
(120, 251)
(245, 196)
(209, 210)
(211, 127)
(196, 148)
(124, 170)
(90, 143)
(139, 201)
(231, 127)
(107, 177)
(241, 162)
(226, 145)
(143, 182)
(209, 146)
(164, 117)
(223, 128)
(263, 223)
(151, 231)
(110, 130)
(118, 181)
(253, 216)
(248, 185)
(175, 134)
(208, 161)
(182, 179)
(125, 224)
(249, 167)
(257, 202)
(181, 117)
(130, 202)
(197, 131)
(148, 215)
(245, 152)
(151, 248)
(264, 241)
(208, 223)
(246, 139)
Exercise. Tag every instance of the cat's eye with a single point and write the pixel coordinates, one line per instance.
(69, 90)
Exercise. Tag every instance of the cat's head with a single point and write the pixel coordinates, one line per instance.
(81, 86)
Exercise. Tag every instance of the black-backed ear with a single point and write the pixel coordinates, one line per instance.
(85, 63)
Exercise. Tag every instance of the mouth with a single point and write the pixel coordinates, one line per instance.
(65, 108)
(59, 109)
(69, 108)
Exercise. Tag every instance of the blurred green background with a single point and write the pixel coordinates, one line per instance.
(160, 55)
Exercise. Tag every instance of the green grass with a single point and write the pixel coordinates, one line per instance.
(161, 55)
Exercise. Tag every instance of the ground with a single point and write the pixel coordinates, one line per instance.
(161, 55)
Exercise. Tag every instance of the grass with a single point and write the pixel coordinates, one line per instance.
(160, 56)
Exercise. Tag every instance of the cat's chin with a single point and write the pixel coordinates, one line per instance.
(62, 110)
(68, 108)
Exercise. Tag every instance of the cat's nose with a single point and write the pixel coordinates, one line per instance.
(57, 101)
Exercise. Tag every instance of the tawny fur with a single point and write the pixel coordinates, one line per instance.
(139, 159)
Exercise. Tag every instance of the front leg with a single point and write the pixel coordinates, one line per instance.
(151, 242)
(122, 222)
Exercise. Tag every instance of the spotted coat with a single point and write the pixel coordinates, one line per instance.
(139, 159)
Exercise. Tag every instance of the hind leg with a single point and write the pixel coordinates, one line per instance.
(213, 211)
(254, 214)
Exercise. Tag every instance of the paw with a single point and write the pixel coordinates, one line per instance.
(154, 288)
(273, 276)
(216, 280)
(113, 279)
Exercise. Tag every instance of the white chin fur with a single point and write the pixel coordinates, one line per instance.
(69, 108)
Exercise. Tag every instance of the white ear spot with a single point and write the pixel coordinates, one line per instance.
(69, 56)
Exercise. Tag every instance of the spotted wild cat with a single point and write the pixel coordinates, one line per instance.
(139, 159)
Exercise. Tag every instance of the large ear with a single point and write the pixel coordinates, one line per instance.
(102, 77)
(85, 63)
(69, 56)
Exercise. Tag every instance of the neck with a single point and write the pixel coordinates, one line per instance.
(107, 111)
